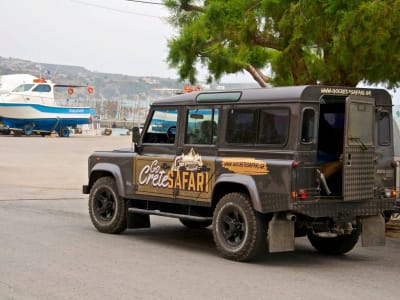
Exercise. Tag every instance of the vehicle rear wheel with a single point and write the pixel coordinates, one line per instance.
(240, 233)
(106, 209)
(337, 245)
(195, 224)
(28, 129)
(63, 132)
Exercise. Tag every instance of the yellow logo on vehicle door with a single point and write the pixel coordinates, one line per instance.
(187, 176)
(190, 173)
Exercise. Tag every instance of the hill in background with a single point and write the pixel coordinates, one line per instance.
(107, 86)
(116, 96)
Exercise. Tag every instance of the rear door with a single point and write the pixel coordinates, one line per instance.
(359, 149)
(194, 169)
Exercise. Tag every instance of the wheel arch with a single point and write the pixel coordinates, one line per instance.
(104, 170)
(227, 183)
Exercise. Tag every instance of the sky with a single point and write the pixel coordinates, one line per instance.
(111, 36)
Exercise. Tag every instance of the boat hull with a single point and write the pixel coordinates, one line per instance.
(43, 117)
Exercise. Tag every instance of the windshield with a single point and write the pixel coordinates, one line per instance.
(23, 87)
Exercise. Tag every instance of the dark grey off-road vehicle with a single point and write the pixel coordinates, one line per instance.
(262, 166)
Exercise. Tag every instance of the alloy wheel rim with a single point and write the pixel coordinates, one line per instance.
(233, 227)
(104, 205)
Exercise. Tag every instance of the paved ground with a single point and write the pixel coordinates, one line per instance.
(47, 168)
(50, 250)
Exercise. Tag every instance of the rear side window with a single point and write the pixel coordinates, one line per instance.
(258, 126)
(308, 126)
(242, 126)
(384, 135)
(274, 126)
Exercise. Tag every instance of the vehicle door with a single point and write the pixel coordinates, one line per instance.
(386, 174)
(359, 149)
(152, 167)
(194, 168)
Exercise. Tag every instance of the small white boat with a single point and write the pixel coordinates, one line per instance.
(31, 107)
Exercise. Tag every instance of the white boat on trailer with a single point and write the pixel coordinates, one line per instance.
(31, 108)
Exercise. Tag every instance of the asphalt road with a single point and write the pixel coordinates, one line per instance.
(50, 250)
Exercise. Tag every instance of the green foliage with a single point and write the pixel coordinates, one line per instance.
(302, 42)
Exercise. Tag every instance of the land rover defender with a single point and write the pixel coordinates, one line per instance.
(262, 166)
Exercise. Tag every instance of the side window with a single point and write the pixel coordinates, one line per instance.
(162, 127)
(384, 136)
(308, 126)
(42, 88)
(201, 126)
(242, 126)
(274, 126)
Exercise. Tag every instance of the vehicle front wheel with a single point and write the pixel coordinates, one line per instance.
(28, 129)
(336, 245)
(240, 233)
(106, 209)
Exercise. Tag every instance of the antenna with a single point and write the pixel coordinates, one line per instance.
(54, 74)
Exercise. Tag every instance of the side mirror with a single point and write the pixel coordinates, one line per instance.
(135, 135)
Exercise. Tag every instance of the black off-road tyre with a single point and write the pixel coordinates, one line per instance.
(240, 233)
(106, 209)
(195, 224)
(338, 245)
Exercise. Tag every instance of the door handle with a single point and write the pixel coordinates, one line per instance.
(348, 160)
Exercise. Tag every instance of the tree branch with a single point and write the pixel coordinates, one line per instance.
(190, 7)
(268, 42)
(257, 75)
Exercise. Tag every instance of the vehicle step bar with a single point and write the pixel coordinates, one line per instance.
(166, 214)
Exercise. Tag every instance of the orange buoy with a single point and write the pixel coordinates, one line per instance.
(70, 91)
(187, 88)
(90, 89)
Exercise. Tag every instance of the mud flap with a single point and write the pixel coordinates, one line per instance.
(372, 231)
(280, 235)
(135, 220)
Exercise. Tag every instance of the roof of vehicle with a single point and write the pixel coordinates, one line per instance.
(290, 93)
